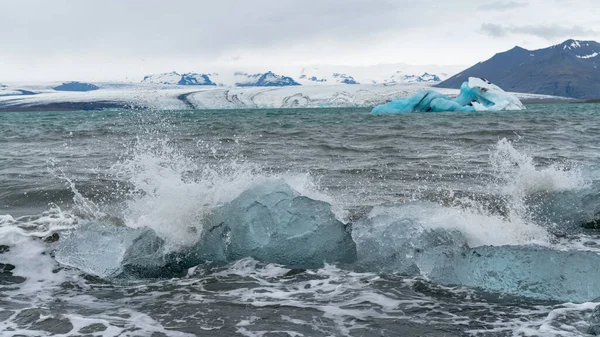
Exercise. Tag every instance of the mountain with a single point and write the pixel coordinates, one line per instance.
(268, 79)
(179, 79)
(76, 86)
(329, 78)
(569, 69)
(378, 74)
(313, 75)
(399, 77)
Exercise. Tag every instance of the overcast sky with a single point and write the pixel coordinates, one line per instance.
(42, 40)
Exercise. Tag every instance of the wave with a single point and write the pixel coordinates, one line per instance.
(176, 198)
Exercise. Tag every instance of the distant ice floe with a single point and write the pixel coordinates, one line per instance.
(475, 95)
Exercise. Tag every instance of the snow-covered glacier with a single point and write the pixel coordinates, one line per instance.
(475, 95)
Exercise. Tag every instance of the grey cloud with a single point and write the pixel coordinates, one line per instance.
(548, 32)
(493, 30)
(206, 27)
(502, 6)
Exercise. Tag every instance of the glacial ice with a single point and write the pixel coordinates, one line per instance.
(273, 223)
(393, 239)
(108, 251)
(269, 222)
(475, 95)
(529, 271)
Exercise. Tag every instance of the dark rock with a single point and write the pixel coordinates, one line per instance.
(4, 249)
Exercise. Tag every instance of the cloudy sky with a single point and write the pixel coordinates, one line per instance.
(43, 40)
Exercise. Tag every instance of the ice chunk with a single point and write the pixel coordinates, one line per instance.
(475, 95)
(109, 251)
(270, 222)
(528, 271)
(273, 223)
(394, 239)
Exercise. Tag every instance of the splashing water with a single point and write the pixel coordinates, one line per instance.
(173, 192)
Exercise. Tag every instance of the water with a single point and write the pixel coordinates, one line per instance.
(506, 178)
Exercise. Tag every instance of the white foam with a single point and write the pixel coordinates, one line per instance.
(173, 192)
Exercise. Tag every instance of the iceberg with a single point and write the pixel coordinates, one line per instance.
(273, 223)
(393, 239)
(108, 251)
(476, 94)
(528, 271)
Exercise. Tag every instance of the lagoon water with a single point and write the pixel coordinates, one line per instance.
(501, 179)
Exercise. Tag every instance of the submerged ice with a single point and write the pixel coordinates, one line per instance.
(269, 222)
(475, 95)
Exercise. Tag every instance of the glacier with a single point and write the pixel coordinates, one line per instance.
(475, 95)
(269, 222)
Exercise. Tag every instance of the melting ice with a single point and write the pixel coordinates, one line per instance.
(269, 222)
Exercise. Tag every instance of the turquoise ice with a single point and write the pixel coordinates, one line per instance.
(475, 95)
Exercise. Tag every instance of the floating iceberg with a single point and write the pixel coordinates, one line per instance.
(273, 223)
(393, 239)
(108, 251)
(270, 222)
(475, 95)
(528, 271)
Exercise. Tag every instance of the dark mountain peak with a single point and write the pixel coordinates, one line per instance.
(566, 69)
(517, 49)
(572, 44)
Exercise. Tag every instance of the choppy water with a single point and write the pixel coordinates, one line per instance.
(488, 175)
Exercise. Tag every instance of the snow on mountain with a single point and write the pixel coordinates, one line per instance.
(400, 77)
(164, 78)
(268, 79)
(174, 78)
(313, 75)
(569, 69)
(378, 74)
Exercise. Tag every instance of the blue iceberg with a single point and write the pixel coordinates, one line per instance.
(477, 94)
(270, 222)
(108, 250)
(393, 239)
(527, 271)
(273, 223)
